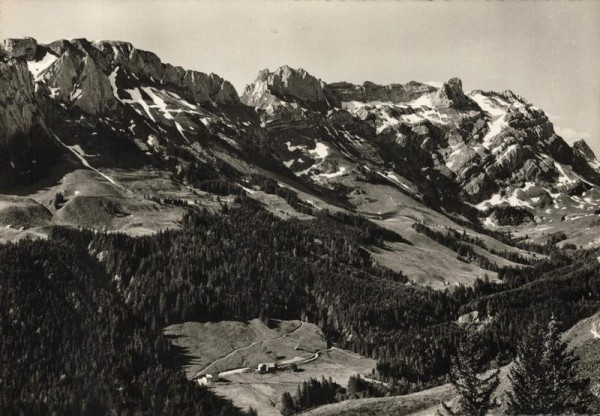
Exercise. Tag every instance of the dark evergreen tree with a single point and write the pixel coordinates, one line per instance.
(526, 374)
(475, 390)
(287, 404)
(544, 378)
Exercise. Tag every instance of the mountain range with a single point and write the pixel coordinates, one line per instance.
(104, 135)
(158, 220)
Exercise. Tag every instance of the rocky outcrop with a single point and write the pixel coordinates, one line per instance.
(26, 148)
(62, 75)
(225, 93)
(339, 92)
(583, 149)
(79, 77)
(451, 95)
(285, 84)
(201, 88)
(96, 91)
(585, 161)
(17, 104)
(19, 48)
(204, 88)
(354, 125)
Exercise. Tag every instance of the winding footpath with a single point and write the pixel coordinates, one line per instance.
(198, 373)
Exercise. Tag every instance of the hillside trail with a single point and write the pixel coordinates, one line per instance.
(241, 349)
(316, 355)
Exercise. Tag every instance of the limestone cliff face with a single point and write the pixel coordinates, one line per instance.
(77, 72)
(202, 88)
(78, 81)
(285, 84)
(17, 104)
(26, 148)
(586, 160)
(583, 149)
(97, 94)
(451, 95)
(339, 92)
(19, 48)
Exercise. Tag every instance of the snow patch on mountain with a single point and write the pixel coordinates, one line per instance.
(563, 178)
(113, 82)
(497, 199)
(182, 101)
(294, 148)
(332, 175)
(424, 100)
(497, 109)
(80, 154)
(320, 150)
(158, 102)
(76, 94)
(136, 98)
(395, 179)
(181, 131)
(38, 67)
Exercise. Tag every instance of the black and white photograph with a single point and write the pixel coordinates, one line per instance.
(312, 208)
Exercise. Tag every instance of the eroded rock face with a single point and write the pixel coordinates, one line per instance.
(207, 87)
(19, 48)
(80, 75)
(340, 92)
(62, 75)
(582, 148)
(27, 150)
(451, 95)
(585, 160)
(284, 83)
(97, 95)
(17, 105)
(296, 83)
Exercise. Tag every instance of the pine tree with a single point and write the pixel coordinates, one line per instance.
(475, 391)
(527, 375)
(544, 378)
(287, 404)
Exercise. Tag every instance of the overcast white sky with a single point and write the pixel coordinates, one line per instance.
(547, 52)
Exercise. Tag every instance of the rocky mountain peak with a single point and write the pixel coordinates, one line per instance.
(285, 83)
(19, 48)
(452, 95)
(513, 96)
(584, 149)
(297, 83)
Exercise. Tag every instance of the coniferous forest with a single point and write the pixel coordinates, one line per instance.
(81, 313)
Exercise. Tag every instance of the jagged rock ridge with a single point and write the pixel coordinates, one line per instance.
(485, 145)
(78, 72)
(441, 145)
(339, 92)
